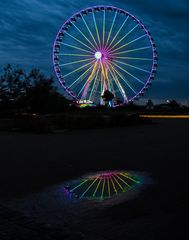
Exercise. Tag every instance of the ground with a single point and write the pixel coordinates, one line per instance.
(33, 169)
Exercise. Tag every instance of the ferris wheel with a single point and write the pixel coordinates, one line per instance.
(104, 49)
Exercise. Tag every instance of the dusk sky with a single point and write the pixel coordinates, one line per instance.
(28, 29)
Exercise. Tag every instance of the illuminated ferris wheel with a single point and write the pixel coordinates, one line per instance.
(104, 49)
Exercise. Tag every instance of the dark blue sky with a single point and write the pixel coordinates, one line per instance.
(28, 29)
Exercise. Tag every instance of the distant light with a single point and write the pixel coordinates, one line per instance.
(98, 55)
(166, 116)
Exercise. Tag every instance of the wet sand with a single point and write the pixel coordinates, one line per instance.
(32, 163)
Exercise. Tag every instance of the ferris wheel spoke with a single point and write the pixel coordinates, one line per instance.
(120, 87)
(78, 69)
(109, 191)
(118, 32)
(110, 85)
(80, 77)
(133, 58)
(123, 180)
(136, 39)
(132, 50)
(74, 55)
(127, 34)
(97, 187)
(129, 65)
(95, 86)
(116, 72)
(103, 185)
(118, 84)
(82, 89)
(130, 178)
(92, 49)
(113, 185)
(79, 185)
(129, 73)
(90, 32)
(75, 62)
(108, 81)
(97, 32)
(104, 75)
(102, 89)
(126, 81)
(110, 32)
(104, 27)
(89, 80)
(72, 46)
(117, 182)
(93, 182)
(83, 35)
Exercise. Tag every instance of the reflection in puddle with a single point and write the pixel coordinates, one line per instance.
(103, 185)
(52, 207)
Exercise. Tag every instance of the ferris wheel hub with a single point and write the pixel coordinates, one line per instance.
(98, 55)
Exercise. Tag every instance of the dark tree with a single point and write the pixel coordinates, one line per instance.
(41, 94)
(11, 87)
(107, 97)
(33, 92)
(149, 105)
(174, 105)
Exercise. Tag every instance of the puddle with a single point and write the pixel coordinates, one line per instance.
(103, 185)
(79, 199)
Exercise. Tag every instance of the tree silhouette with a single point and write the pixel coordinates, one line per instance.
(32, 92)
(11, 86)
(149, 105)
(107, 97)
(173, 104)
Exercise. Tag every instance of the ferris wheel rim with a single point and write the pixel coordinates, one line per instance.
(122, 11)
